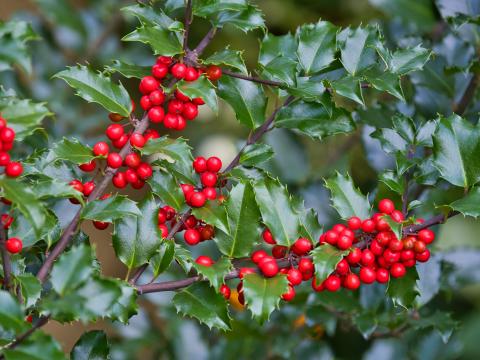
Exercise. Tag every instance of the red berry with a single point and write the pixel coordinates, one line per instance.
(88, 187)
(279, 251)
(214, 73)
(354, 223)
(13, 245)
(170, 121)
(148, 84)
(391, 256)
(382, 276)
(160, 70)
(423, 256)
(397, 216)
(386, 206)
(7, 135)
(210, 193)
(192, 237)
(352, 282)
(316, 286)
(6, 221)
(306, 266)
(338, 228)
(145, 102)
(268, 237)
(151, 134)
(178, 70)
(419, 246)
(368, 258)
(398, 270)
(426, 235)
(331, 237)
(395, 245)
(355, 256)
(3, 122)
(197, 199)
(200, 164)
(344, 242)
(367, 275)
(77, 185)
(14, 169)
(175, 106)
(191, 74)
(144, 171)
(368, 226)
(245, 271)
(204, 260)
(137, 140)
(100, 225)
(290, 294)
(258, 255)
(332, 283)
(209, 179)
(114, 160)
(132, 160)
(164, 230)
(187, 189)
(302, 246)
(4, 158)
(383, 238)
(214, 164)
(207, 232)
(6, 146)
(114, 131)
(294, 276)
(181, 96)
(156, 114)
(120, 143)
(101, 149)
(342, 267)
(190, 111)
(157, 97)
(131, 176)
(382, 225)
(198, 101)
(407, 255)
(225, 291)
(119, 180)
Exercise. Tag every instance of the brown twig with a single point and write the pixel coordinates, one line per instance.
(467, 96)
(7, 266)
(188, 22)
(40, 322)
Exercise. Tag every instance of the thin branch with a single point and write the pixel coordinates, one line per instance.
(188, 22)
(468, 95)
(251, 78)
(438, 219)
(202, 45)
(7, 266)
(98, 191)
(40, 322)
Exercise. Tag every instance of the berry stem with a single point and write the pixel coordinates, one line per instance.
(202, 45)
(188, 22)
(7, 266)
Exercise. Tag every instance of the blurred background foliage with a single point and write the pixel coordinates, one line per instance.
(80, 31)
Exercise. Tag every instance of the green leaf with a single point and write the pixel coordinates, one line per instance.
(316, 46)
(366, 323)
(385, 81)
(203, 303)
(391, 179)
(325, 258)
(14, 36)
(215, 273)
(97, 87)
(440, 321)
(247, 20)
(346, 199)
(256, 154)
(469, 205)
(73, 151)
(205, 8)
(246, 98)
(125, 305)
(11, 314)
(404, 290)
(215, 214)
(262, 295)
(23, 116)
(201, 88)
(394, 226)
(30, 287)
(152, 16)
(310, 89)
(349, 87)
(314, 119)
(278, 213)
(163, 258)
(273, 46)
(162, 41)
(456, 150)
(137, 238)
(99, 296)
(72, 269)
(63, 15)
(129, 70)
(92, 345)
(281, 69)
(183, 257)
(166, 187)
(22, 228)
(47, 189)
(404, 61)
(26, 202)
(243, 217)
(39, 346)
(310, 227)
(110, 209)
(227, 57)
(357, 48)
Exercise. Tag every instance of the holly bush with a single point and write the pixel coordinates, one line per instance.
(233, 238)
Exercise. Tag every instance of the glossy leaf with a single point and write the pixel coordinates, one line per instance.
(92, 345)
(310, 227)
(325, 258)
(273, 46)
(152, 16)
(203, 303)
(346, 199)
(201, 88)
(403, 291)
(262, 295)
(166, 187)
(227, 57)
(215, 214)
(256, 154)
(46, 189)
(162, 41)
(404, 61)
(469, 205)
(215, 273)
(163, 258)
(280, 69)
(39, 346)
(98, 88)
(30, 287)
(129, 70)
(110, 209)
(72, 150)
(349, 87)
(11, 314)
(357, 48)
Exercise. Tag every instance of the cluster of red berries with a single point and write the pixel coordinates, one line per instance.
(13, 245)
(7, 136)
(195, 230)
(383, 254)
(172, 112)
(208, 170)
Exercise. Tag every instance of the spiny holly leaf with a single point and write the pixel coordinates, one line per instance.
(349, 87)
(281, 69)
(310, 227)
(243, 216)
(205, 8)
(456, 150)
(346, 199)
(384, 81)
(325, 258)
(201, 88)
(357, 48)
(137, 238)
(26, 202)
(162, 41)
(227, 57)
(203, 303)
(249, 19)
(92, 345)
(97, 87)
(125, 305)
(163, 258)
(46, 189)
(72, 269)
(440, 321)
(215, 273)
(23, 116)
(99, 296)
(23, 229)
(246, 98)
(14, 36)
(110, 209)
(73, 151)
(404, 61)
(39, 346)
(314, 119)
(256, 154)
(273, 46)
(11, 314)
(404, 290)
(30, 287)
(262, 295)
(469, 205)
(152, 16)
(316, 46)
(309, 89)
(277, 210)
(183, 257)
(129, 70)
(166, 187)
(393, 181)
(394, 226)
(215, 214)
(366, 323)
